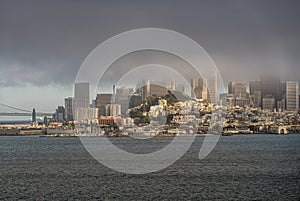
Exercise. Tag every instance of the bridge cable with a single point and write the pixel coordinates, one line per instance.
(14, 108)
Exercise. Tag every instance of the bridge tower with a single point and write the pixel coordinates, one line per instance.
(33, 116)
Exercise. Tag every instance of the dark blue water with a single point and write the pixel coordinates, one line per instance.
(244, 167)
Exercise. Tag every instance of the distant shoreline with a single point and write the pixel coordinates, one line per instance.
(141, 137)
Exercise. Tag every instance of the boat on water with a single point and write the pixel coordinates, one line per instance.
(226, 134)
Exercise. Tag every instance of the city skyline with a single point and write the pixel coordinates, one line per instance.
(150, 100)
(43, 60)
(88, 99)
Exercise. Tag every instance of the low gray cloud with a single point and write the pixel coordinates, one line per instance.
(45, 42)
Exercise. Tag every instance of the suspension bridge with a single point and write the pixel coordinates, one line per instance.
(7, 110)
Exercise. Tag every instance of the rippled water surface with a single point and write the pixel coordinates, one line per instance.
(244, 167)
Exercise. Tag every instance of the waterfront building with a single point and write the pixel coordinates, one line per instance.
(292, 95)
(104, 121)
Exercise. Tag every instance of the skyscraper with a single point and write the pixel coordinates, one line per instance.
(143, 88)
(81, 96)
(60, 114)
(101, 101)
(194, 85)
(213, 87)
(148, 88)
(158, 88)
(231, 87)
(257, 99)
(69, 108)
(254, 86)
(268, 103)
(33, 120)
(122, 98)
(270, 85)
(239, 89)
(202, 85)
(292, 95)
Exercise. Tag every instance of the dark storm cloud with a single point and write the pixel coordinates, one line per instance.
(45, 42)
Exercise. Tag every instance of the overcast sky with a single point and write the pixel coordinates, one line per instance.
(43, 43)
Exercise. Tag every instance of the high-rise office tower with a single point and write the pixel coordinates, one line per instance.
(69, 108)
(231, 88)
(148, 88)
(255, 93)
(268, 102)
(158, 88)
(122, 92)
(122, 97)
(202, 85)
(292, 95)
(194, 85)
(81, 96)
(239, 89)
(270, 85)
(213, 87)
(257, 99)
(60, 114)
(254, 86)
(135, 100)
(33, 120)
(143, 89)
(101, 101)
